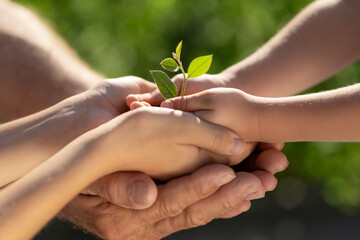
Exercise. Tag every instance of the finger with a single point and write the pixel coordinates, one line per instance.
(272, 161)
(229, 160)
(212, 137)
(220, 203)
(268, 180)
(265, 146)
(154, 98)
(125, 189)
(136, 105)
(191, 103)
(180, 193)
(243, 207)
(131, 98)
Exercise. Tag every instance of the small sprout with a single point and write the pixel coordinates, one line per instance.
(164, 83)
(198, 67)
(170, 65)
(178, 50)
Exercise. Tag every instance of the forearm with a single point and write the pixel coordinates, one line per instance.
(320, 41)
(27, 142)
(37, 68)
(327, 116)
(32, 201)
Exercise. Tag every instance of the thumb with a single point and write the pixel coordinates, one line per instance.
(125, 189)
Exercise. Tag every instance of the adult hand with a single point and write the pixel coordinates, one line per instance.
(214, 191)
(107, 99)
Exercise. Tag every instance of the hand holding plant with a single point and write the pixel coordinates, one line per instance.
(198, 67)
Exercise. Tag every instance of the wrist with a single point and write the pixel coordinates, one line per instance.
(251, 113)
(106, 145)
(91, 154)
(270, 119)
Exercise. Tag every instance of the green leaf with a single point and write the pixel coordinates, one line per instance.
(178, 49)
(199, 66)
(165, 85)
(170, 65)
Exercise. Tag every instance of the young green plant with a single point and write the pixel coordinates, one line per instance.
(197, 67)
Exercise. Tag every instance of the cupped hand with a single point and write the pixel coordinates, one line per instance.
(210, 192)
(160, 142)
(215, 157)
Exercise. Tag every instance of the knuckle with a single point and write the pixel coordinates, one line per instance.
(209, 99)
(195, 220)
(171, 209)
(227, 203)
(184, 103)
(221, 141)
(200, 191)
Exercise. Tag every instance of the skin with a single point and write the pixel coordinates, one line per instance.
(291, 61)
(58, 125)
(260, 74)
(326, 116)
(110, 221)
(33, 57)
(56, 73)
(109, 148)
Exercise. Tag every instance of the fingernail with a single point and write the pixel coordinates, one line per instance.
(139, 192)
(226, 179)
(167, 104)
(237, 146)
(253, 192)
(256, 195)
(133, 95)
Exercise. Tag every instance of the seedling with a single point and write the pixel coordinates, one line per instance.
(198, 67)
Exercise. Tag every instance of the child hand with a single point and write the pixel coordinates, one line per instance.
(193, 85)
(160, 142)
(228, 107)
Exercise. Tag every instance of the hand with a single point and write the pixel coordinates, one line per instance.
(193, 85)
(107, 99)
(228, 107)
(182, 203)
(171, 141)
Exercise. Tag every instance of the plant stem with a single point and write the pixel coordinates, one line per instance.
(184, 76)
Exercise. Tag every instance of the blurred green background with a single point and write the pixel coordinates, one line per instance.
(126, 37)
